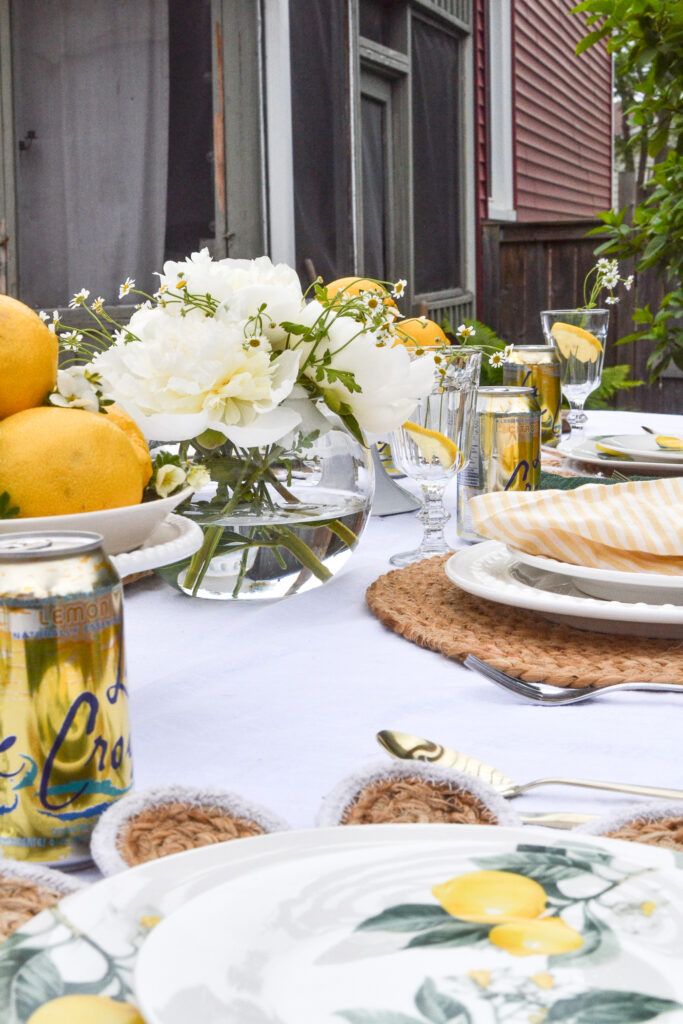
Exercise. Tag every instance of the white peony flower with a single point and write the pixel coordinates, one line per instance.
(241, 287)
(168, 479)
(391, 381)
(186, 375)
(75, 390)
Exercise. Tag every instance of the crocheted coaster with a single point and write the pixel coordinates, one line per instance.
(415, 792)
(422, 605)
(25, 890)
(171, 819)
(655, 824)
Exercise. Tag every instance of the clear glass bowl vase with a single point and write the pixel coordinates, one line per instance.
(277, 520)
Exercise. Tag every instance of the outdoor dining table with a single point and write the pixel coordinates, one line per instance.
(279, 701)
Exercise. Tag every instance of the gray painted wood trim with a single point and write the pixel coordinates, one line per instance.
(8, 216)
(239, 109)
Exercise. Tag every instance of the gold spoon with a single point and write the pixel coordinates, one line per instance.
(406, 747)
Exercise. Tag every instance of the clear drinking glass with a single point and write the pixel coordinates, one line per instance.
(433, 447)
(580, 336)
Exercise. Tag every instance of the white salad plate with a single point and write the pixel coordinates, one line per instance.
(610, 584)
(122, 529)
(352, 929)
(491, 571)
(171, 540)
(642, 447)
(90, 942)
(586, 452)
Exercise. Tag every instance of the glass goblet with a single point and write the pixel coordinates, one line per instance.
(433, 447)
(580, 336)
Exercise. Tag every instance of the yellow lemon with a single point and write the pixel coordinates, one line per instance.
(57, 461)
(669, 444)
(348, 287)
(28, 358)
(419, 332)
(548, 936)
(79, 1009)
(574, 341)
(432, 444)
(132, 431)
(491, 896)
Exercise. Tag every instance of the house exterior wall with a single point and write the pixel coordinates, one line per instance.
(562, 111)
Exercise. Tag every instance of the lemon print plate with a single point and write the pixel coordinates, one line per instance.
(646, 464)
(411, 924)
(647, 447)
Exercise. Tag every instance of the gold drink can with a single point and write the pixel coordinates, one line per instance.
(505, 453)
(64, 731)
(538, 366)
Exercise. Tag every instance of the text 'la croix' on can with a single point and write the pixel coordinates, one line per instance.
(64, 729)
(505, 453)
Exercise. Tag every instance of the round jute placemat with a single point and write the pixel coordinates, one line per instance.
(25, 890)
(422, 604)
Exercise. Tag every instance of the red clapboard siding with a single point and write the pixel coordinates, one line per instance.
(480, 108)
(562, 115)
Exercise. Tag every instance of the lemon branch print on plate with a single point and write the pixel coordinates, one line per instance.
(669, 444)
(433, 445)
(574, 341)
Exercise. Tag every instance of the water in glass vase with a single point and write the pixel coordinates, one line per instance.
(277, 522)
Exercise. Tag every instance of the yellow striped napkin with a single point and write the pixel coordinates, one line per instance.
(633, 527)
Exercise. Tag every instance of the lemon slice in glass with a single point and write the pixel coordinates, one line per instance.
(669, 444)
(574, 341)
(433, 445)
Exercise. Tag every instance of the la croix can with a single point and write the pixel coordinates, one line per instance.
(64, 729)
(538, 366)
(505, 453)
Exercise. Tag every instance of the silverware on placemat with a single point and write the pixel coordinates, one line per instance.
(406, 747)
(547, 694)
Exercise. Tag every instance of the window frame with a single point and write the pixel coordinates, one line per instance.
(367, 56)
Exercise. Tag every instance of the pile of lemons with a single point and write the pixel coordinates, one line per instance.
(58, 461)
(514, 905)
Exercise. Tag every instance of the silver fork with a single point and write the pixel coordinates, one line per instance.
(541, 693)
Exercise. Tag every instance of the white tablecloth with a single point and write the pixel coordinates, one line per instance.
(279, 702)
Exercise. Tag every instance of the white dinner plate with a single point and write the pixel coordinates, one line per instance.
(90, 942)
(377, 932)
(122, 529)
(586, 452)
(642, 448)
(173, 539)
(611, 584)
(489, 570)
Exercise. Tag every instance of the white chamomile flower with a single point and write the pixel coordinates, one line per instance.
(98, 305)
(257, 342)
(78, 299)
(611, 300)
(372, 301)
(168, 479)
(628, 283)
(507, 351)
(603, 264)
(399, 289)
(198, 477)
(126, 287)
(43, 315)
(496, 359)
(464, 331)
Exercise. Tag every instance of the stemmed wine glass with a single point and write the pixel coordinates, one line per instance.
(579, 335)
(433, 447)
